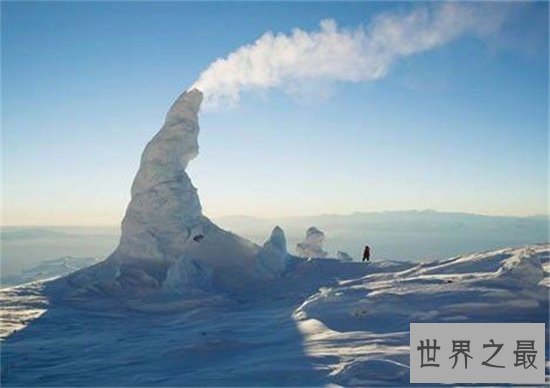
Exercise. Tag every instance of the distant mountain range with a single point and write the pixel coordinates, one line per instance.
(415, 234)
(395, 235)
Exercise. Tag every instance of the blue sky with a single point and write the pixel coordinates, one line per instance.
(462, 127)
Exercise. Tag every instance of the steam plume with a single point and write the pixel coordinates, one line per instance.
(338, 54)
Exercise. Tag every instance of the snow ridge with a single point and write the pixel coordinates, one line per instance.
(349, 333)
(369, 317)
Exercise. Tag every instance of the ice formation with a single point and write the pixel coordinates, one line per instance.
(167, 244)
(343, 256)
(273, 257)
(312, 246)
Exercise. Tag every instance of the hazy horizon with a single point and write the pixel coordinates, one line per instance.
(289, 216)
(405, 235)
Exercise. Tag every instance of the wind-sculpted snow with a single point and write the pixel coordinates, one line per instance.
(323, 322)
(368, 318)
(21, 305)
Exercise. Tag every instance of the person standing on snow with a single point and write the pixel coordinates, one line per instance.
(366, 253)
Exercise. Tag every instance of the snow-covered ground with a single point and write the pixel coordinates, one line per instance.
(49, 268)
(324, 322)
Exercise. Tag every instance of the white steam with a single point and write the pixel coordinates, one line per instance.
(338, 54)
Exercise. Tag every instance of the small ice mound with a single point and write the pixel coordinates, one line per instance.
(522, 270)
(545, 262)
(343, 256)
(484, 262)
(312, 246)
(188, 276)
(273, 257)
(371, 372)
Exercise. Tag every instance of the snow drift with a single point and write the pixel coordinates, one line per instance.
(364, 322)
(353, 331)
